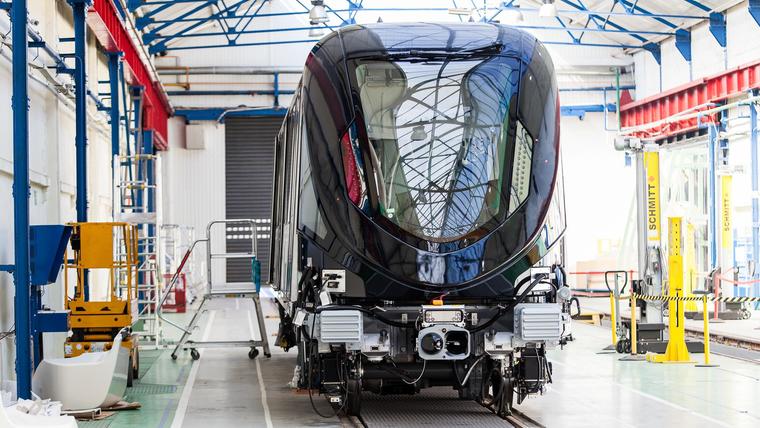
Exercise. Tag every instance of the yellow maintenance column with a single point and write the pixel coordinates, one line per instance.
(676, 351)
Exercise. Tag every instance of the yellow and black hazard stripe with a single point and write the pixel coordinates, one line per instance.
(697, 298)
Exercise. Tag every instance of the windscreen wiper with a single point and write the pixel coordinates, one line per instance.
(413, 55)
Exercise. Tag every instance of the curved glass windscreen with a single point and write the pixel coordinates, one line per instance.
(441, 151)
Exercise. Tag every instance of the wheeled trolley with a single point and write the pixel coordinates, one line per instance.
(238, 234)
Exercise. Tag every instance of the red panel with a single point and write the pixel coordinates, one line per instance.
(692, 97)
(105, 22)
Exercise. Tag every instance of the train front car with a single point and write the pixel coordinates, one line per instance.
(418, 201)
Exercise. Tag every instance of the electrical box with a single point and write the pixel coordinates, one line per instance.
(195, 136)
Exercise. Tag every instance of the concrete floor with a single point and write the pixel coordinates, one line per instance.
(226, 389)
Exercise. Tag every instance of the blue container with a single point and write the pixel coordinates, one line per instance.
(47, 245)
(256, 273)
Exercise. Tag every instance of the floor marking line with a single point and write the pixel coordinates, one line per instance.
(262, 388)
(179, 414)
(660, 400)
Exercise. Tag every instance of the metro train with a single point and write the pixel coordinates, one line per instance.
(418, 215)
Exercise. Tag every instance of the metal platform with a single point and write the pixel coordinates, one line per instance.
(433, 407)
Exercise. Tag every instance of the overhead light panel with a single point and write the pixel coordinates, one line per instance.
(460, 11)
(318, 13)
(513, 16)
(316, 32)
(548, 9)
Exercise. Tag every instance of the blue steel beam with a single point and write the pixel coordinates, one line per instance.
(683, 43)
(162, 45)
(595, 18)
(21, 273)
(290, 42)
(648, 14)
(753, 7)
(570, 30)
(718, 28)
(142, 23)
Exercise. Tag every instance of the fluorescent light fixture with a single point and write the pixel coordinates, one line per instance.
(548, 9)
(460, 11)
(318, 13)
(513, 16)
(316, 32)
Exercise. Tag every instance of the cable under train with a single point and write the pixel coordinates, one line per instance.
(418, 215)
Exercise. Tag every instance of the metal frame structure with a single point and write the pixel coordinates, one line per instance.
(248, 290)
(163, 23)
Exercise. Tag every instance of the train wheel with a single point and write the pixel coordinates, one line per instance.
(507, 397)
(353, 405)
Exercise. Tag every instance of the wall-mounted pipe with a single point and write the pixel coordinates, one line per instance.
(222, 92)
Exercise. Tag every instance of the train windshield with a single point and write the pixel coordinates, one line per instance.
(440, 146)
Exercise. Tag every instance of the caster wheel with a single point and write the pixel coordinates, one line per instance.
(174, 357)
(620, 346)
(194, 354)
(253, 353)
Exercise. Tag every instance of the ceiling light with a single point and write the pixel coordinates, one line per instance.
(548, 9)
(513, 16)
(316, 32)
(318, 14)
(460, 11)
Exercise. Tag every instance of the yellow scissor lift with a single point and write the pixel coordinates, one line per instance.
(110, 247)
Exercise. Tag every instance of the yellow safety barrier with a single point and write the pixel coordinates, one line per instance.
(676, 352)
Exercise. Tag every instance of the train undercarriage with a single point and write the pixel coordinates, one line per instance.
(491, 352)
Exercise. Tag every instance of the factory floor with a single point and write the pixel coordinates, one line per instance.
(226, 389)
(744, 332)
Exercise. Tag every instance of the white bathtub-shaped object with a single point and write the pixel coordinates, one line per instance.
(12, 418)
(89, 381)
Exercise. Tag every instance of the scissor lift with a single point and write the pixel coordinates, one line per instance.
(234, 230)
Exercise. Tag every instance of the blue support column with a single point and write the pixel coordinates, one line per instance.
(21, 275)
(79, 8)
(114, 63)
(755, 188)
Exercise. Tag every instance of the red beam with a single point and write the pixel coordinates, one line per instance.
(689, 97)
(106, 23)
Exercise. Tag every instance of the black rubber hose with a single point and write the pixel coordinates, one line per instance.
(521, 298)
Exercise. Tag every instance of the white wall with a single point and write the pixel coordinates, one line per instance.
(599, 189)
(193, 184)
(52, 164)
